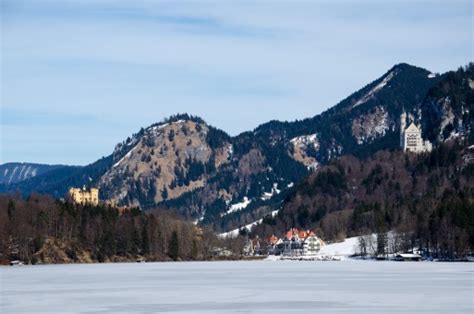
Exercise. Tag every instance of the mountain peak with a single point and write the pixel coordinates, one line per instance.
(179, 117)
(184, 117)
(405, 66)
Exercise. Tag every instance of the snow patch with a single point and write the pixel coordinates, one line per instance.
(269, 195)
(346, 248)
(125, 157)
(201, 217)
(471, 84)
(305, 140)
(234, 233)
(371, 126)
(230, 151)
(375, 90)
(238, 206)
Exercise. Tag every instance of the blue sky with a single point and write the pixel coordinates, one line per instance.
(77, 77)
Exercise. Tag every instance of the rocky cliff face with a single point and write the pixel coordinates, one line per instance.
(164, 162)
(372, 125)
(448, 110)
(391, 190)
(186, 164)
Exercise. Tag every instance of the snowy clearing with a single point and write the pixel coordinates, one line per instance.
(346, 248)
(238, 206)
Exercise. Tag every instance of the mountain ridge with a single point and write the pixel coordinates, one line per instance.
(201, 171)
(13, 172)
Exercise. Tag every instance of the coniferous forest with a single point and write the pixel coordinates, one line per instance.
(40, 229)
(341, 173)
(427, 200)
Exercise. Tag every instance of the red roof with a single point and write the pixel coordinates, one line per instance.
(300, 234)
(273, 239)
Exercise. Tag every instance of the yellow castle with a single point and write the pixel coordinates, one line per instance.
(84, 196)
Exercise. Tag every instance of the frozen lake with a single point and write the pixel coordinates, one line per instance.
(239, 287)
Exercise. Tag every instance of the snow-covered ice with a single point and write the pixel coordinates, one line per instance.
(239, 287)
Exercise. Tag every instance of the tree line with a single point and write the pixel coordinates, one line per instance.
(427, 199)
(42, 229)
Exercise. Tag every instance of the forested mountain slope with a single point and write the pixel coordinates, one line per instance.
(14, 172)
(184, 164)
(428, 197)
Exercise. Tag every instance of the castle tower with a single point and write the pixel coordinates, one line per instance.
(403, 126)
(411, 139)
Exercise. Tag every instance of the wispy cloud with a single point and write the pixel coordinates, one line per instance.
(126, 64)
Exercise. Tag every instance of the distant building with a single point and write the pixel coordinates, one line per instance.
(411, 139)
(294, 243)
(84, 196)
(299, 243)
(312, 245)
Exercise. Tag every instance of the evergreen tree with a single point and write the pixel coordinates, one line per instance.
(145, 239)
(136, 243)
(382, 242)
(194, 250)
(164, 193)
(173, 246)
(11, 209)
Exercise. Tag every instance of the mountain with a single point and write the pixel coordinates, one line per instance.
(204, 174)
(14, 172)
(285, 152)
(429, 197)
(56, 182)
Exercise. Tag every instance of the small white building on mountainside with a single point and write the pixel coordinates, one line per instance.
(411, 139)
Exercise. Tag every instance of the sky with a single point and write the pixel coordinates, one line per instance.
(78, 77)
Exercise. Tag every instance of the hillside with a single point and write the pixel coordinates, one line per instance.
(427, 197)
(387, 183)
(184, 164)
(42, 230)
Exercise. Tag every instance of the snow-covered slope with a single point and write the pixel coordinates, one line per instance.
(234, 233)
(16, 172)
(376, 89)
(346, 248)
